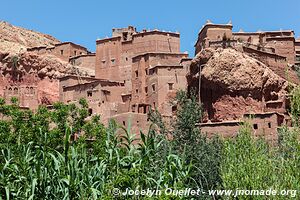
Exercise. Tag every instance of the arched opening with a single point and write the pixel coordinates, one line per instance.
(31, 90)
(16, 90)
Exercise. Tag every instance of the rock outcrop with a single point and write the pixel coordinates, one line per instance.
(20, 68)
(234, 83)
(235, 71)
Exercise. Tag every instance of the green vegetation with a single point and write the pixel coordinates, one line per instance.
(40, 159)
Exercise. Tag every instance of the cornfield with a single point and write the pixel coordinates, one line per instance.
(39, 158)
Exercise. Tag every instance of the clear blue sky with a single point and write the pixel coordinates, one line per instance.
(84, 21)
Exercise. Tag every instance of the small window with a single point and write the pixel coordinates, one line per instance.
(153, 104)
(15, 90)
(61, 52)
(90, 111)
(136, 90)
(269, 125)
(126, 59)
(125, 34)
(174, 108)
(255, 126)
(89, 93)
(31, 90)
(113, 61)
(146, 90)
(136, 73)
(80, 53)
(137, 122)
(133, 108)
(170, 86)
(75, 53)
(153, 88)
(146, 71)
(103, 61)
(124, 124)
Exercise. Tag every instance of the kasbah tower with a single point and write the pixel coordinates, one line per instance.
(134, 72)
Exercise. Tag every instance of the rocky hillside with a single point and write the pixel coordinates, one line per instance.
(14, 42)
(15, 39)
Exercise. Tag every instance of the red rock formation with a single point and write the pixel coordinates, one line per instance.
(234, 84)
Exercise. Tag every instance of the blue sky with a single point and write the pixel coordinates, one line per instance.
(84, 21)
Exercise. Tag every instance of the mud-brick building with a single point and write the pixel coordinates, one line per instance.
(30, 90)
(297, 50)
(64, 50)
(114, 55)
(242, 75)
(84, 61)
(104, 97)
(155, 79)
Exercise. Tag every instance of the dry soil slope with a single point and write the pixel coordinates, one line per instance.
(15, 39)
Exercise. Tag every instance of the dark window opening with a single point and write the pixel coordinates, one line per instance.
(113, 61)
(126, 59)
(170, 86)
(90, 111)
(146, 71)
(136, 91)
(31, 90)
(153, 87)
(269, 125)
(124, 124)
(75, 53)
(174, 108)
(136, 73)
(255, 126)
(146, 90)
(61, 52)
(137, 122)
(89, 93)
(125, 36)
(153, 104)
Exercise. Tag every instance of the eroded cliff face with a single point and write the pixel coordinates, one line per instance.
(234, 83)
(20, 68)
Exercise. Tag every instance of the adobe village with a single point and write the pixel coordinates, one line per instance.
(236, 75)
